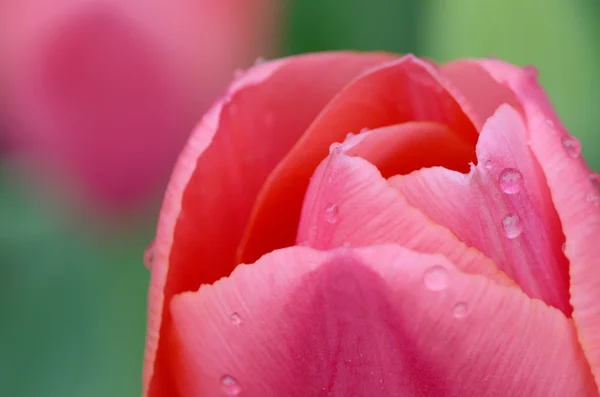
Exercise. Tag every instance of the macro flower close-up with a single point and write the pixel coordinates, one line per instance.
(371, 224)
(299, 198)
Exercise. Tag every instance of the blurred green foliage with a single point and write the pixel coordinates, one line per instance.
(73, 304)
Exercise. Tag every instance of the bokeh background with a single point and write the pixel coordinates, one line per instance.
(72, 280)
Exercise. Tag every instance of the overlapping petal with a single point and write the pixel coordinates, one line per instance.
(502, 207)
(219, 173)
(349, 204)
(381, 321)
(407, 89)
(573, 186)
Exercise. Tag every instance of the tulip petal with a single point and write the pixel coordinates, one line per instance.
(378, 321)
(219, 173)
(479, 88)
(348, 203)
(404, 90)
(502, 208)
(403, 148)
(575, 194)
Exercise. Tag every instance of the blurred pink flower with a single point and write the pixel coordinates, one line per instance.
(103, 94)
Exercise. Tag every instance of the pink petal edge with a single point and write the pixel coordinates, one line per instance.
(348, 203)
(378, 321)
(575, 194)
(404, 90)
(218, 153)
(502, 208)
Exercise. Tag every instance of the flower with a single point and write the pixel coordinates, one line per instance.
(407, 228)
(103, 94)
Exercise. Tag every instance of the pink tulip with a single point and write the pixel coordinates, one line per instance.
(448, 247)
(104, 93)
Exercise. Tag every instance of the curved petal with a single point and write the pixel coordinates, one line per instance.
(379, 321)
(574, 189)
(479, 88)
(348, 203)
(503, 208)
(406, 147)
(404, 90)
(220, 172)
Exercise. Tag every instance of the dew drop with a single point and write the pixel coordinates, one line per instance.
(350, 135)
(336, 149)
(572, 146)
(564, 247)
(512, 226)
(238, 73)
(149, 256)
(436, 278)
(366, 129)
(331, 213)
(230, 385)
(510, 180)
(259, 60)
(235, 319)
(593, 198)
(488, 164)
(550, 123)
(595, 178)
(531, 71)
(460, 310)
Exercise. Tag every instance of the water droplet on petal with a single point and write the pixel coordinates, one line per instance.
(572, 146)
(331, 213)
(460, 310)
(349, 135)
(512, 226)
(336, 149)
(238, 73)
(510, 180)
(259, 60)
(364, 130)
(595, 178)
(531, 71)
(436, 278)
(564, 247)
(488, 164)
(593, 198)
(149, 256)
(550, 123)
(230, 385)
(235, 319)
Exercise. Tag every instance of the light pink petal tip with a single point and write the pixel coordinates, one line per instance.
(574, 189)
(502, 207)
(349, 203)
(381, 321)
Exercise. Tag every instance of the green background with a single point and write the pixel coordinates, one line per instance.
(73, 298)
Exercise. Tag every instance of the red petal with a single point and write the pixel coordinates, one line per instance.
(575, 195)
(379, 321)
(404, 90)
(403, 148)
(218, 175)
(502, 208)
